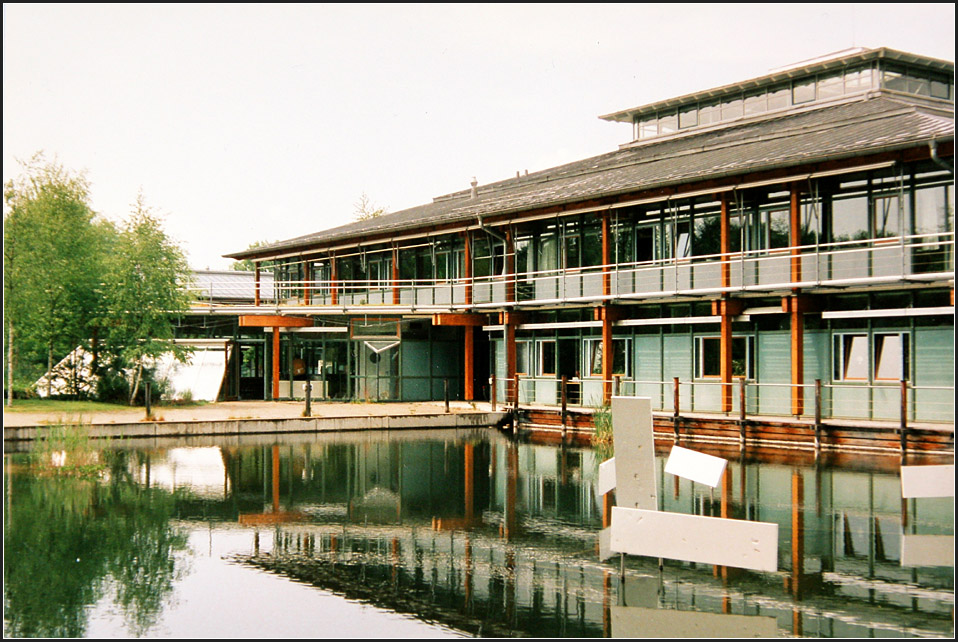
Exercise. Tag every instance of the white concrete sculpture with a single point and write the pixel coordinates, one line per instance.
(639, 528)
(928, 481)
(699, 467)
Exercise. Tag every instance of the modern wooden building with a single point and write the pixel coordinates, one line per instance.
(773, 240)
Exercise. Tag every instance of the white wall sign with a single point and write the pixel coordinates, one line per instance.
(699, 467)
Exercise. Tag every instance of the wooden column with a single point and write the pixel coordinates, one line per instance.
(725, 340)
(510, 258)
(334, 292)
(606, 355)
(469, 362)
(512, 395)
(606, 255)
(275, 363)
(796, 316)
(256, 285)
(467, 259)
(308, 285)
(395, 276)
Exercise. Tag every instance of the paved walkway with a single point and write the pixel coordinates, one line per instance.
(226, 410)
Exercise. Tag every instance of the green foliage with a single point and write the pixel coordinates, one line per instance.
(67, 450)
(146, 283)
(52, 265)
(71, 279)
(602, 437)
(71, 541)
(248, 265)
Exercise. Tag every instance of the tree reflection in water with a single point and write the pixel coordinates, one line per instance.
(68, 542)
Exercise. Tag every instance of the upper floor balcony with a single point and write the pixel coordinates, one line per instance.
(856, 265)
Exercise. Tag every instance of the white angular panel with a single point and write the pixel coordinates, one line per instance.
(928, 481)
(606, 482)
(699, 467)
(928, 550)
(634, 452)
(636, 622)
(693, 538)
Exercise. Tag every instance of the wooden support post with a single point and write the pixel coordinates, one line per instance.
(308, 285)
(492, 392)
(564, 389)
(467, 259)
(606, 255)
(469, 362)
(256, 299)
(275, 363)
(675, 407)
(797, 317)
(445, 393)
(741, 411)
(606, 355)
(903, 429)
(395, 275)
(333, 276)
(818, 415)
(308, 388)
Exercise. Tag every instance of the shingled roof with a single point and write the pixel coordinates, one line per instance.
(881, 123)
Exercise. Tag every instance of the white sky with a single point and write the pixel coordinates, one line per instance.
(245, 123)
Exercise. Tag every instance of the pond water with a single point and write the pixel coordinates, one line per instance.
(449, 534)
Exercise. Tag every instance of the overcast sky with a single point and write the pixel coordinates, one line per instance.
(245, 123)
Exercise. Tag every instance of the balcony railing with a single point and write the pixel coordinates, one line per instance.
(914, 258)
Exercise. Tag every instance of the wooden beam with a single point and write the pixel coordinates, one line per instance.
(469, 363)
(275, 364)
(273, 321)
(461, 320)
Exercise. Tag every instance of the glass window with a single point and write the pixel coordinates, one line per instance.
(850, 219)
(688, 118)
(523, 357)
(831, 86)
(778, 98)
(709, 114)
(648, 128)
(755, 104)
(708, 361)
(891, 357)
(851, 357)
(668, 124)
(887, 218)
(547, 256)
(732, 109)
(803, 92)
(547, 358)
(859, 80)
(940, 89)
(621, 357)
(932, 210)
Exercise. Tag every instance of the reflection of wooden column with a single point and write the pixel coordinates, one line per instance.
(467, 580)
(395, 275)
(798, 533)
(797, 319)
(275, 363)
(275, 478)
(468, 473)
(512, 481)
(256, 285)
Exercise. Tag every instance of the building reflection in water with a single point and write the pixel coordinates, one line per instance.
(500, 538)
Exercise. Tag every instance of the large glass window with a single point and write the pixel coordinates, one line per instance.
(851, 357)
(524, 357)
(547, 358)
(890, 356)
(708, 357)
(621, 357)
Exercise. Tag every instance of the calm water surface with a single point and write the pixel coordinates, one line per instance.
(450, 534)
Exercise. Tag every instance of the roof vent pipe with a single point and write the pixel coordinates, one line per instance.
(475, 185)
(933, 147)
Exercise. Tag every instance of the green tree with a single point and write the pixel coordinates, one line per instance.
(146, 289)
(248, 265)
(365, 209)
(52, 264)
